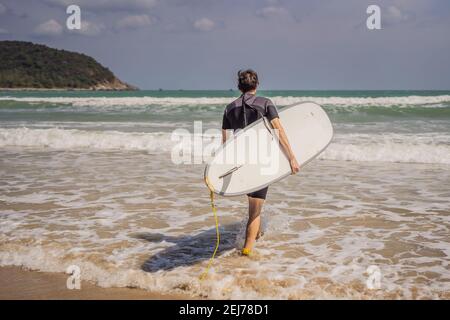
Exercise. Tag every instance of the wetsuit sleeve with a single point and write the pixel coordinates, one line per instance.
(225, 121)
(271, 111)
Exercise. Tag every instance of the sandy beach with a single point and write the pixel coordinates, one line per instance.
(20, 284)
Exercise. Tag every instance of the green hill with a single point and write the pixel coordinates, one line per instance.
(28, 65)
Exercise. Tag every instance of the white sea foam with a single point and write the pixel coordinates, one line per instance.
(323, 228)
(98, 140)
(417, 148)
(433, 101)
(408, 148)
(125, 220)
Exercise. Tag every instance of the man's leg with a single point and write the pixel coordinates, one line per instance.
(254, 221)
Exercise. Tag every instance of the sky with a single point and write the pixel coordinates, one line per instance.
(292, 44)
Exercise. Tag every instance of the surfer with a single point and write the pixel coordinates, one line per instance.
(237, 115)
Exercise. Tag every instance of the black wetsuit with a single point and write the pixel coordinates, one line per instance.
(245, 110)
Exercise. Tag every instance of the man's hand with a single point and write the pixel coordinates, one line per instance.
(295, 167)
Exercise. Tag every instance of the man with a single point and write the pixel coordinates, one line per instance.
(239, 114)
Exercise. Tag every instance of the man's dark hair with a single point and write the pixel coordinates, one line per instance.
(247, 80)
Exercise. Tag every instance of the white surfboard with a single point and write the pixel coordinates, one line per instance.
(253, 158)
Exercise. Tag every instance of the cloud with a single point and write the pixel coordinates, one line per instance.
(111, 5)
(204, 24)
(395, 14)
(134, 22)
(2, 8)
(3, 31)
(90, 29)
(49, 28)
(273, 12)
(53, 28)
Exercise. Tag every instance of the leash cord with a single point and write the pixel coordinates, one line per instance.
(214, 210)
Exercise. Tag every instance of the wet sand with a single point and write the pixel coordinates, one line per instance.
(21, 284)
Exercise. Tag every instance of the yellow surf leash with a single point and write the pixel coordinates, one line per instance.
(214, 210)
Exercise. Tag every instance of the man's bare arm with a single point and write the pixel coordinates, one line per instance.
(276, 124)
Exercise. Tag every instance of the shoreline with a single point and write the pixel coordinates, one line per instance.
(17, 283)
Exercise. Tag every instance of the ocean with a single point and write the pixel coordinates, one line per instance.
(87, 179)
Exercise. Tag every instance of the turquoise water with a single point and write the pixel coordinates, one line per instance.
(346, 111)
(383, 121)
